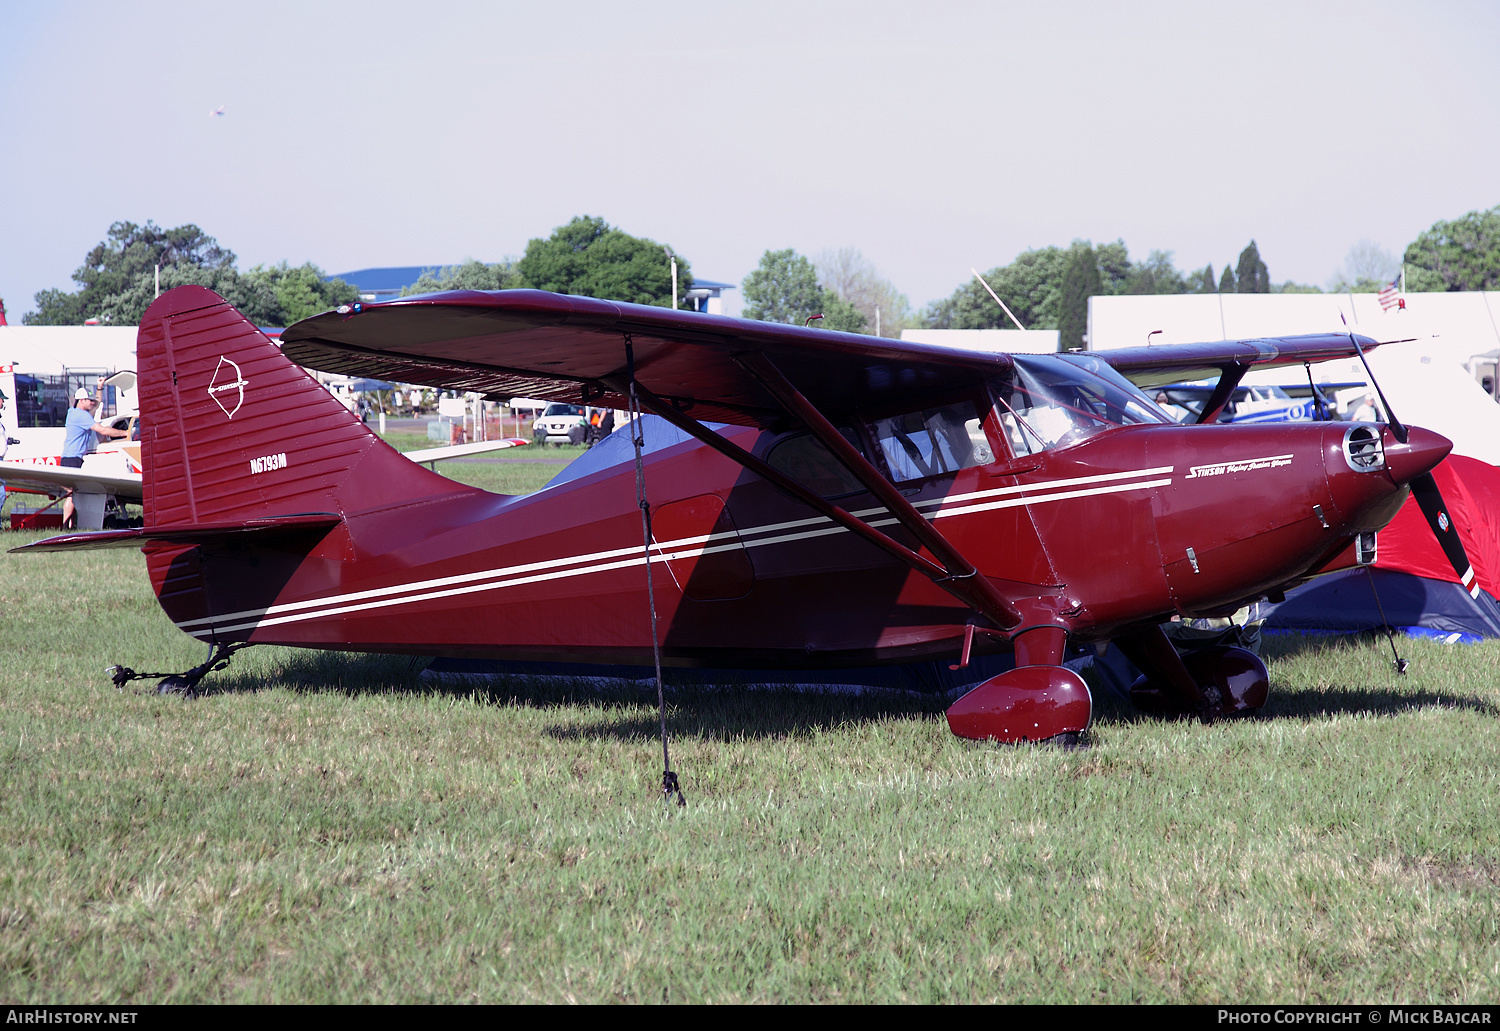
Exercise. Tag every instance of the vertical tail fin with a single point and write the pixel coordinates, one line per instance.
(235, 431)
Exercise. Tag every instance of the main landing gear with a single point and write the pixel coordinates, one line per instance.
(1040, 700)
(1211, 683)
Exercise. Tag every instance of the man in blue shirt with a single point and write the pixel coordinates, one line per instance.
(79, 430)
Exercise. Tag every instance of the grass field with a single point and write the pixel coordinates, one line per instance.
(327, 828)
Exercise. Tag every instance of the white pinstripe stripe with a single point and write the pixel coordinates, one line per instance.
(683, 548)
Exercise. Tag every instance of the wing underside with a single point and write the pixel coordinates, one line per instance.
(528, 343)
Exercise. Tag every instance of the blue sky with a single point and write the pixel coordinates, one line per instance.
(930, 137)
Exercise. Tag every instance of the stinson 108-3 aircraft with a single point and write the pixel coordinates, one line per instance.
(820, 499)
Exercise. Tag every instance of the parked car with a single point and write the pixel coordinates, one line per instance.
(561, 423)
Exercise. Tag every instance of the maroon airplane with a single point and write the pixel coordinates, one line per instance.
(816, 499)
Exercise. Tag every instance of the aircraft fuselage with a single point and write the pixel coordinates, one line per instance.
(1125, 528)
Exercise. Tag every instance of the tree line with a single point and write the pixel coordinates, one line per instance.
(1049, 287)
(118, 279)
(1046, 288)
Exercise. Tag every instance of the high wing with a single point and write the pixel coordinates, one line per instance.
(57, 480)
(1227, 361)
(537, 344)
(694, 367)
(1169, 363)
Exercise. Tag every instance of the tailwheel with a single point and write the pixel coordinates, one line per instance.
(1233, 682)
(1027, 704)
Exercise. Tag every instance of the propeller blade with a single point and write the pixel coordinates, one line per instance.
(1425, 489)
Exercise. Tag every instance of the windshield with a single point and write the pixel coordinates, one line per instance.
(1056, 400)
(559, 408)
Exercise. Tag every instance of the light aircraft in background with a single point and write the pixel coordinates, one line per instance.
(1247, 404)
(112, 476)
(108, 481)
(814, 499)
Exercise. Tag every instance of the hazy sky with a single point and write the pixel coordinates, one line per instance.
(931, 137)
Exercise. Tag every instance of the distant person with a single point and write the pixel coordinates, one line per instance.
(601, 425)
(1367, 411)
(79, 432)
(5, 439)
(1166, 404)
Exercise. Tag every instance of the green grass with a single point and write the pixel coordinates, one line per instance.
(327, 828)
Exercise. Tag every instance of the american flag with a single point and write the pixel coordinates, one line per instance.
(1390, 295)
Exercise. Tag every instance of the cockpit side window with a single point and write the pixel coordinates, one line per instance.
(804, 458)
(932, 441)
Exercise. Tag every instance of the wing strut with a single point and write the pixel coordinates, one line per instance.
(823, 506)
(961, 577)
(1229, 378)
(955, 574)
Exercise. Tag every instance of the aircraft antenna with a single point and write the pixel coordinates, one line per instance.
(669, 784)
(997, 299)
(1397, 429)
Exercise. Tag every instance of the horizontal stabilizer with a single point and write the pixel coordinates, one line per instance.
(191, 534)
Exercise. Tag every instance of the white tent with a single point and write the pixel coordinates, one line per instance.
(48, 350)
(1471, 319)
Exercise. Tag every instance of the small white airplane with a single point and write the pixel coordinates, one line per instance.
(112, 477)
(108, 481)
